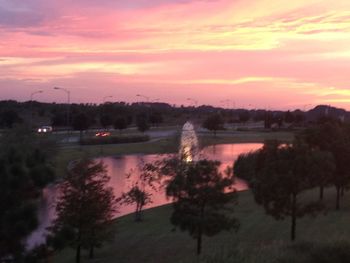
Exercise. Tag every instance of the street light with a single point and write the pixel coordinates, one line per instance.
(143, 96)
(226, 103)
(195, 102)
(68, 101)
(31, 106)
(106, 97)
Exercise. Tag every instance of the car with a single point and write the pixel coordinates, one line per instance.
(102, 134)
(45, 129)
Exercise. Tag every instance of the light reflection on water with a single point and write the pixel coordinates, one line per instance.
(118, 167)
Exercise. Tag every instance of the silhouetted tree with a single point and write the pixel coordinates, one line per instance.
(106, 120)
(244, 116)
(138, 197)
(143, 182)
(200, 199)
(214, 123)
(24, 172)
(278, 176)
(156, 118)
(8, 118)
(289, 117)
(129, 118)
(278, 118)
(141, 123)
(323, 169)
(84, 208)
(334, 138)
(81, 123)
(120, 123)
(299, 117)
(268, 120)
(58, 119)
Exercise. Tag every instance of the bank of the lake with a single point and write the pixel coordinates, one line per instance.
(260, 238)
(161, 145)
(123, 172)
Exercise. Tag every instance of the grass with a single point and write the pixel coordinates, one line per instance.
(67, 154)
(259, 239)
(115, 139)
(245, 137)
(323, 239)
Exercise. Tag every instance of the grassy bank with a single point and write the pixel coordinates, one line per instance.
(115, 139)
(259, 239)
(67, 154)
(244, 137)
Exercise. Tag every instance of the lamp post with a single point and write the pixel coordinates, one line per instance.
(105, 98)
(68, 102)
(226, 103)
(195, 102)
(31, 106)
(143, 96)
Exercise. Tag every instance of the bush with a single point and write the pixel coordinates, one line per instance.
(115, 139)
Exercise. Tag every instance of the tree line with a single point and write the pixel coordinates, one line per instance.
(26, 167)
(109, 114)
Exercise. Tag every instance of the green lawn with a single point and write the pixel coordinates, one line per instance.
(259, 239)
(244, 137)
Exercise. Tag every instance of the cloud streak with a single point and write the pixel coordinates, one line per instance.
(244, 49)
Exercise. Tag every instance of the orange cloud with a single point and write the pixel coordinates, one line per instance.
(212, 49)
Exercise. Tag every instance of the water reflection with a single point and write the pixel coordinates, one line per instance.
(118, 167)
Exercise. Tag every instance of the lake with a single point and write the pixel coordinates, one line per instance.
(119, 167)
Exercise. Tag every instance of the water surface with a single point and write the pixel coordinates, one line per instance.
(119, 167)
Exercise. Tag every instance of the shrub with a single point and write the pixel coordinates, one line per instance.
(115, 139)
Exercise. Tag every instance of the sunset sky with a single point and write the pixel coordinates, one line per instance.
(258, 53)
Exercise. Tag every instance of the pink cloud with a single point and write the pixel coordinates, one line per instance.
(253, 51)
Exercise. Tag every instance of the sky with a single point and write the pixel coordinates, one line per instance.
(235, 53)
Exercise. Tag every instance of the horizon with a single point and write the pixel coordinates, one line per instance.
(250, 54)
(189, 105)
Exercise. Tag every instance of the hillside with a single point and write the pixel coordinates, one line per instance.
(259, 239)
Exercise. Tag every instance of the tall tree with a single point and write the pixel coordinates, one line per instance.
(138, 196)
(8, 118)
(86, 206)
(24, 170)
(156, 118)
(142, 123)
(244, 116)
(106, 120)
(323, 169)
(278, 176)
(120, 123)
(214, 123)
(268, 120)
(58, 119)
(289, 117)
(81, 123)
(201, 203)
(143, 182)
(332, 137)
